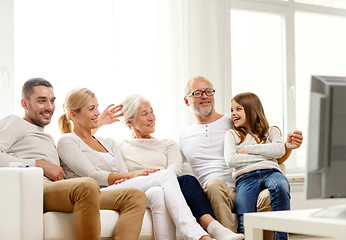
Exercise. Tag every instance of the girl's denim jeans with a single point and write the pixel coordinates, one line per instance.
(249, 185)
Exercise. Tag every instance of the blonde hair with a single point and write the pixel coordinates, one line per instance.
(130, 107)
(74, 101)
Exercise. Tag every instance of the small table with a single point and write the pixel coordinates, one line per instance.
(294, 221)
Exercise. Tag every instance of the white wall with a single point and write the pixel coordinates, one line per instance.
(299, 201)
(6, 57)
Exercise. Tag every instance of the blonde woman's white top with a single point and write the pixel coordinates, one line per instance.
(80, 160)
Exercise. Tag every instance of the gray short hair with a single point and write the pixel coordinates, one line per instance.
(187, 87)
(130, 107)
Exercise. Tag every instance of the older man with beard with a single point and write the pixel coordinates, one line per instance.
(202, 146)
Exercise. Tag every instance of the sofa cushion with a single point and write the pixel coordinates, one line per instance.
(58, 225)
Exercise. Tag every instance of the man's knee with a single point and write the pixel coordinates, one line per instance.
(136, 197)
(263, 201)
(189, 186)
(88, 186)
(215, 186)
(186, 179)
(84, 191)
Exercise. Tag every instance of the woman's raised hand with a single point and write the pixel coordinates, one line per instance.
(110, 115)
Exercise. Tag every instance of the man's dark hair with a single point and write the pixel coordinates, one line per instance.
(28, 86)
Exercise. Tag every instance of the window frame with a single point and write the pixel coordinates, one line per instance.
(287, 10)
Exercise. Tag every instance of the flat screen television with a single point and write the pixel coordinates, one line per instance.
(326, 161)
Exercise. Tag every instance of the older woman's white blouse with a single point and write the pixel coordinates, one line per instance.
(151, 153)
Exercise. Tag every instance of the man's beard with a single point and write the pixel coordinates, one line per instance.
(35, 117)
(39, 122)
(203, 111)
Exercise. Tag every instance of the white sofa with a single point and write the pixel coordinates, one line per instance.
(21, 211)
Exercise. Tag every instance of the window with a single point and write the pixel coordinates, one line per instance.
(320, 50)
(325, 3)
(257, 60)
(297, 38)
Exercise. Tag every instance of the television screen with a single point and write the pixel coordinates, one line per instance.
(326, 166)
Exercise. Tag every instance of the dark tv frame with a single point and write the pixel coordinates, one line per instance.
(326, 161)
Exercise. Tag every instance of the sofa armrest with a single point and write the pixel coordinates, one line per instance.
(21, 203)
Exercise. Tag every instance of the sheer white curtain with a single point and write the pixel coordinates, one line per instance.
(67, 42)
(208, 46)
(113, 47)
(117, 48)
(148, 60)
(6, 57)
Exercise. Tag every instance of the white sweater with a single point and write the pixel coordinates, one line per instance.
(256, 156)
(80, 160)
(152, 153)
(21, 141)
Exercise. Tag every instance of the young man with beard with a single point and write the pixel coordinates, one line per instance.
(202, 145)
(23, 140)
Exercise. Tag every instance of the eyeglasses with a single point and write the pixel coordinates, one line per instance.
(198, 93)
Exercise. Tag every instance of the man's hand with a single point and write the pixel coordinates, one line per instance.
(294, 140)
(51, 170)
(241, 150)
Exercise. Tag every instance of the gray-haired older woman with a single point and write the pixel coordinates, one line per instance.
(143, 150)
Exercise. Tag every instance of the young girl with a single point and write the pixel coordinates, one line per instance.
(251, 148)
